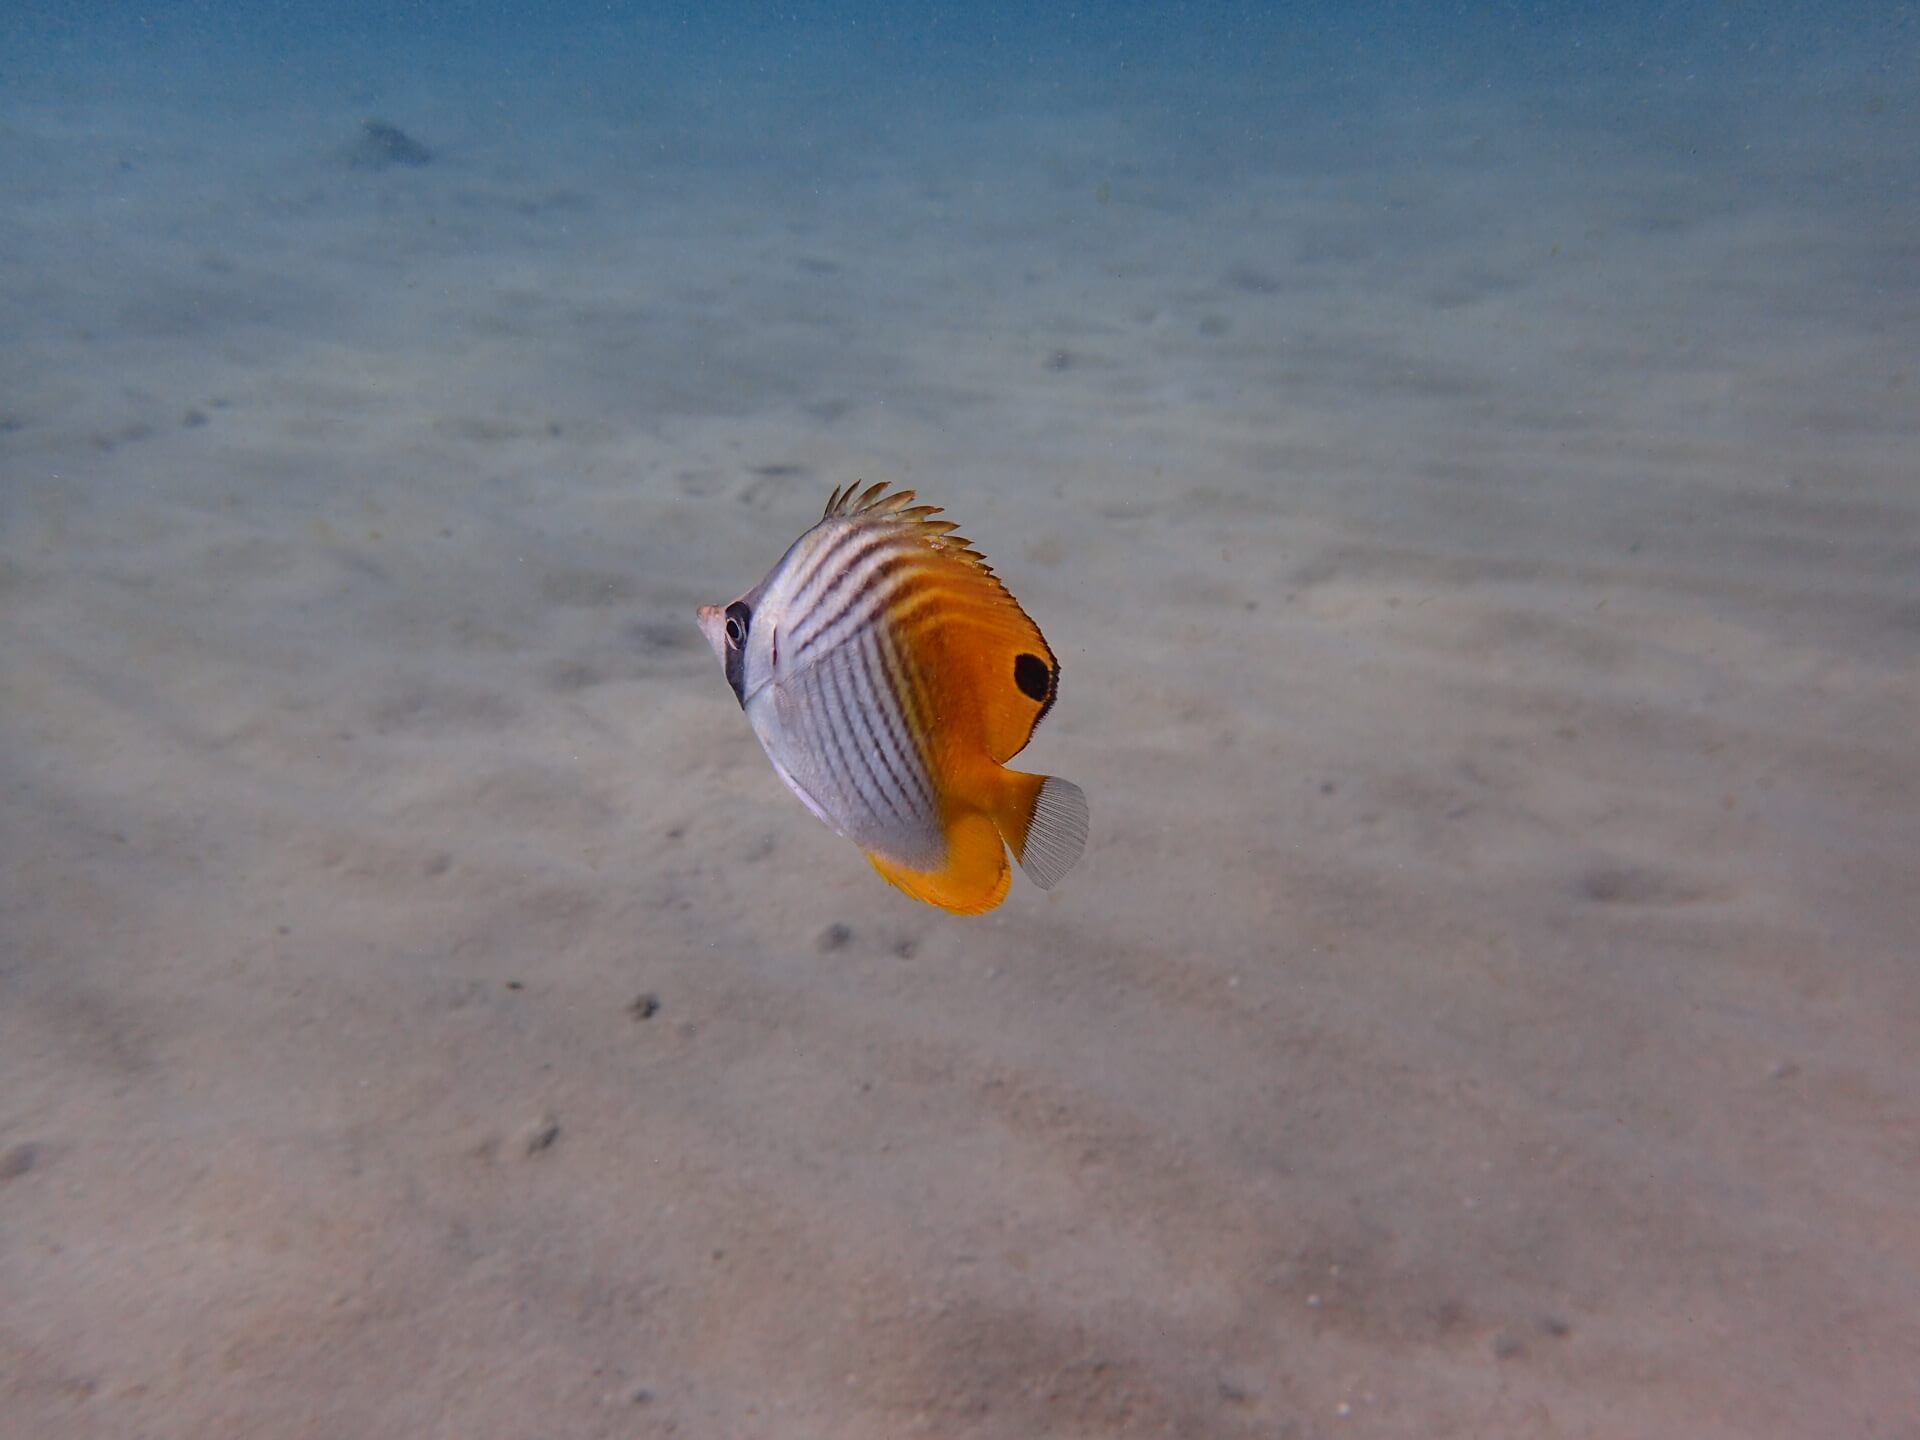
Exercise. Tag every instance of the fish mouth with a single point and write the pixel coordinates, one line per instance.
(713, 625)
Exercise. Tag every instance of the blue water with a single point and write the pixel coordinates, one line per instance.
(1466, 460)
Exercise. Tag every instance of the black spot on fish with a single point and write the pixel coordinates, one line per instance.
(1033, 677)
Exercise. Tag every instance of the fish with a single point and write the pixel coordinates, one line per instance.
(890, 675)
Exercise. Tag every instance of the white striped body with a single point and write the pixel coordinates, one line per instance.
(831, 695)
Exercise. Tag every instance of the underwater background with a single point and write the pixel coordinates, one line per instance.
(1467, 462)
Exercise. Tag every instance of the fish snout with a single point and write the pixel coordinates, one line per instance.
(713, 625)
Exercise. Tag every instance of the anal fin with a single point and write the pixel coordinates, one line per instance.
(974, 878)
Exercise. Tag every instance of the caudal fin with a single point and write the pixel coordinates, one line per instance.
(1044, 820)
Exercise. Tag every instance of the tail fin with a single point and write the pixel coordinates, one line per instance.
(1044, 821)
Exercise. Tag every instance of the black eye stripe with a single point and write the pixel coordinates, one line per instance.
(739, 621)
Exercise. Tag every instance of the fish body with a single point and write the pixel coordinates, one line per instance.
(890, 676)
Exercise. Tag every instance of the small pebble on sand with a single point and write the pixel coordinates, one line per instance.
(541, 1135)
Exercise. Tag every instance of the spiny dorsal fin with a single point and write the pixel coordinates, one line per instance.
(874, 502)
(874, 497)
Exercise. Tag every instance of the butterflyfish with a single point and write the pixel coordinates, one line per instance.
(890, 676)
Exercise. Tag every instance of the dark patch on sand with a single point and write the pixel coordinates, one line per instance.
(381, 146)
(1642, 885)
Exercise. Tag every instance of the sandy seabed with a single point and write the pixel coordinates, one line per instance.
(1484, 554)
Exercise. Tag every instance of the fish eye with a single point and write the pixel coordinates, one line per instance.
(739, 617)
